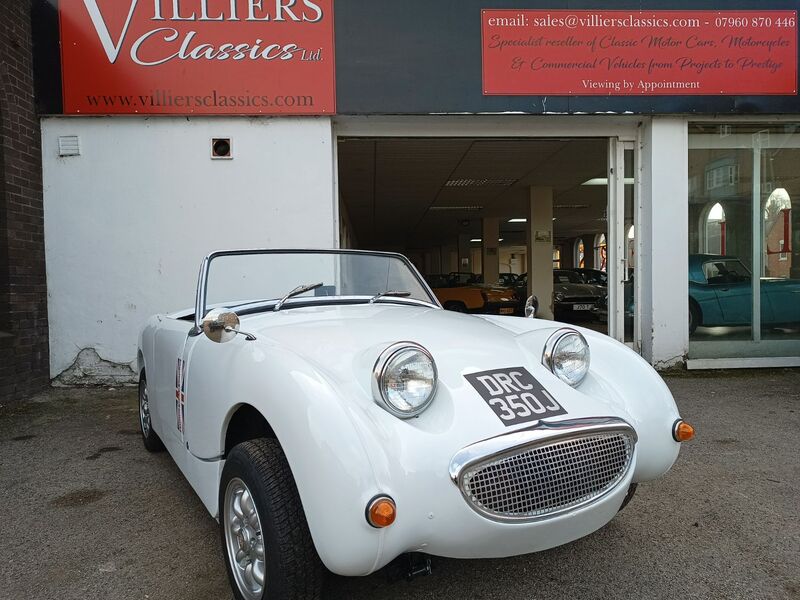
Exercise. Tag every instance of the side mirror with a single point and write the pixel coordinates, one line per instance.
(220, 325)
(531, 307)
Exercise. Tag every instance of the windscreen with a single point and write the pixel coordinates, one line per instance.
(726, 271)
(236, 280)
(566, 277)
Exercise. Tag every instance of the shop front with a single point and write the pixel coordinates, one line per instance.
(652, 151)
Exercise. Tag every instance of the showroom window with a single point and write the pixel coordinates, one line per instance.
(715, 230)
(600, 254)
(744, 240)
(631, 248)
(580, 256)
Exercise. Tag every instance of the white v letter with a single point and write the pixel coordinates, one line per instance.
(112, 51)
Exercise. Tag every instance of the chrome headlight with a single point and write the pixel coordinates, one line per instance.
(404, 381)
(558, 296)
(566, 354)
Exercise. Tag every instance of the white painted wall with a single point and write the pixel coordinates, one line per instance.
(663, 263)
(128, 221)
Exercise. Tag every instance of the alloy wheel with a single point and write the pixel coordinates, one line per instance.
(144, 410)
(244, 540)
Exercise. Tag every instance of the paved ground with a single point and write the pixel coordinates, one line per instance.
(87, 513)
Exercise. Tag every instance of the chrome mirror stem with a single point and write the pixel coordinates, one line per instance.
(248, 336)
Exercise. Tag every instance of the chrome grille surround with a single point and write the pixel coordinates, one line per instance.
(544, 470)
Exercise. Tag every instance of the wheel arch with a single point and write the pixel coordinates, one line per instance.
(244, 423)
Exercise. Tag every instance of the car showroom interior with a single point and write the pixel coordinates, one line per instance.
(433, 200)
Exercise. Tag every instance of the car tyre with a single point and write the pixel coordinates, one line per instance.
(150, 438)
(694, 317)
(263, 524)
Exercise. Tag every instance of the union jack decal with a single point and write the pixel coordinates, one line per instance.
(180, 393)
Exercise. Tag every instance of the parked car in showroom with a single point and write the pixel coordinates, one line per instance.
(521, 285)
(465, 292)
(508, 279)
(518, 283)
(721, 294)
(592, 276)
(600, 309)
(331, 415)
(572, 297)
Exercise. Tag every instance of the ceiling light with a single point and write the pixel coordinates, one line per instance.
(478, 182)
(473, 207)
(518, 220)
(604, 181)
(476, 240)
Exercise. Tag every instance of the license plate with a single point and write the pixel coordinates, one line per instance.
(506, 311)
(514, 395)
(582, 306)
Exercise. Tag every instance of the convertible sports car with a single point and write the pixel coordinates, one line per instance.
(464, 292)
(330, 414)
(721, 294)
(592, 276)
(572, 297)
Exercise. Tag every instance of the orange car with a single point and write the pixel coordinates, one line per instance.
(461, 292)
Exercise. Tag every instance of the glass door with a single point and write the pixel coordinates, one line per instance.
(623, 321)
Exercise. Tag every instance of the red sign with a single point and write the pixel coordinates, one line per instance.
(610, 52)
(198, 56)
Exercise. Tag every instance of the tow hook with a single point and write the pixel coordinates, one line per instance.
(408, 566)
(418, 565)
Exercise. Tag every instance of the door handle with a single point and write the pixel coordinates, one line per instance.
(726, 289)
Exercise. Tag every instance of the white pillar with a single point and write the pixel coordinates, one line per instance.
(490, 257)
(588, 250)
(540, 248)
(663, 264)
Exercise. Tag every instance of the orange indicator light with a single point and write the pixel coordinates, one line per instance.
(381, 511)
(682, 431)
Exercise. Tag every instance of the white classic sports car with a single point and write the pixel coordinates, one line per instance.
(330, 414)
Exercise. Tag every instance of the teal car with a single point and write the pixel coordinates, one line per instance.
(720, 294)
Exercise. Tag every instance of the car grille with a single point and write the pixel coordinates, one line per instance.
(548, 478)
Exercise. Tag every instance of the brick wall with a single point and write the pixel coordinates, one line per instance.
(24, 361)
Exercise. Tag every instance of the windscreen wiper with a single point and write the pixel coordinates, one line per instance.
(392, 293)
(300, 289)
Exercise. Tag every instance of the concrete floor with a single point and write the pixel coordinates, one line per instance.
(88, 513)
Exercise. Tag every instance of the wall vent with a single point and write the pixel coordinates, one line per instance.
(221, 148)
(69, 145)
